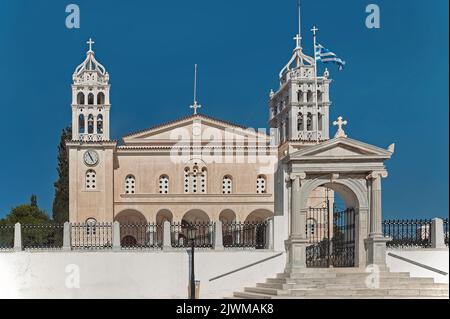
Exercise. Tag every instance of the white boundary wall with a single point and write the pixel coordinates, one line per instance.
(436, 258)
(130, 274)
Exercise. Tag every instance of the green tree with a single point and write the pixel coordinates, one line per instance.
(60, 207)
(26, 214)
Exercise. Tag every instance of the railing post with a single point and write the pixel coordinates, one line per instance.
(269, 234)
(167, 243)
(116, 236)
(66, 236)
(218, 236)
(17, 237)
(437, 233)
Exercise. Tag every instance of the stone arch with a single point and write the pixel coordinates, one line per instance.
(80, 98)
(100, 98)
(130, 216)
(195, 216)
(227, 216)
(163, 215)
(259, 215)
(351, 191)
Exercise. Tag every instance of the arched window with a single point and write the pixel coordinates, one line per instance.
(195, 180)
(319, 96)
(91, 180)
(300, 96)
(90, 226)
(310, 227)
(320, 119)
(300, 122)
(261, 184)
(81, 128)
(163, 184)
(100, 124)
(309, 122)
(100, 98)
(227, 184)
(91, 98)
(90, 124)
(130, 184)
(80, 98)
(309, 96)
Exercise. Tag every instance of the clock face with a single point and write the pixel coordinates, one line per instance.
(91, 158)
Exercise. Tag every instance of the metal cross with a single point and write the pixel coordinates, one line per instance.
(195, 106)
(90, 43)
(297, 39)
(314, 30)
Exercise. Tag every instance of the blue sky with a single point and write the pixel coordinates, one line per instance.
(394, 89)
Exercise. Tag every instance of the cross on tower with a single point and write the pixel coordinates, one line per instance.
(90, 43)
(314, 30)
(340, 132)
(298, 39)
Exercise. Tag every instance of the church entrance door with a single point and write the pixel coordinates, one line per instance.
(331, 235)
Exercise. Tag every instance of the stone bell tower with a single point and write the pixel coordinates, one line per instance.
(90, 100)
(299, 109)
(91, 153)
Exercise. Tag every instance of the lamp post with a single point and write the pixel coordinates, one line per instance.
(191, 232)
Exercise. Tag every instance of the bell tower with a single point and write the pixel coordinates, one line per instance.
(90, 100)
(299, 109)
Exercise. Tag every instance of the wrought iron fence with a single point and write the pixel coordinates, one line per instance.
(6, 237)
(446, 231)
(245, 235)
(408, 233)
(91, 235)
(201, 232)
(42, 236)
(141, 236)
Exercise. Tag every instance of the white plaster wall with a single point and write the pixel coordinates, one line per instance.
(130, 274)
(436, 258)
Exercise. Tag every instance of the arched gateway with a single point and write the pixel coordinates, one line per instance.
(321, 237)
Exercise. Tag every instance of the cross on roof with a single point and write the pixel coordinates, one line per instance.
(195, 106)
(314, 30)
(340, 123)
(90, 43)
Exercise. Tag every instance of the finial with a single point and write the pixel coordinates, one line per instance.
(340, 132)
(90, 43)
(314, 30)
(326, 73)
(195, 106)
(272, 93)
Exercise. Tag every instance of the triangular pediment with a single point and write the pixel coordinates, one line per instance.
(342, 148)
(200, 127)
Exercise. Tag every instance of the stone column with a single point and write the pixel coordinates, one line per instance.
(296, 243)
(305, 120)
(437, 233)
(66, 236)
(218, 237)
(116, 236)
(17, 237)
(376, 243)
(167, 242)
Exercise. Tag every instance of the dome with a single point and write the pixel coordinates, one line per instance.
(90, 64)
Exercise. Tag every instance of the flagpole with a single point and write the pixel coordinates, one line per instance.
(314, 30)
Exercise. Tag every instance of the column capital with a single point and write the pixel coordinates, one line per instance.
(377, 174)
(294, 176)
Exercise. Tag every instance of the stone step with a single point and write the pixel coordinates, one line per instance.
(336, 280)
(352, 276)
(250, 295)
(268, 291)
(383, 285)
(430, 292)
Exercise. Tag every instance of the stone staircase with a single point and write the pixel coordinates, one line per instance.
(343, 283)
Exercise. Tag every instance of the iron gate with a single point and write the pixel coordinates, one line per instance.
(330, 246)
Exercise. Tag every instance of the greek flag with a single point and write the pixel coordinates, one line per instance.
(324, 55)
